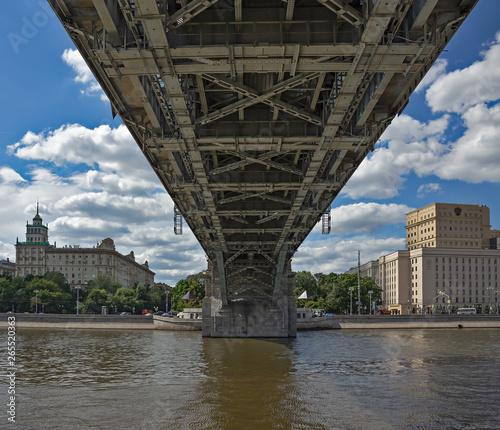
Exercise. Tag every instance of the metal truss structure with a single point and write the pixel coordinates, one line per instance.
(255, 113)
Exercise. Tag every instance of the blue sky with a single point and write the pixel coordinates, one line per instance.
(60, 144)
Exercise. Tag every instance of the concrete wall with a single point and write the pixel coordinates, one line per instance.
(123, 322)
(405, 322)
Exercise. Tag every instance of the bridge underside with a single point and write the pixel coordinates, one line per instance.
(254, 114)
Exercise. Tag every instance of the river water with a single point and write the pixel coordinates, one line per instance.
(341, 379)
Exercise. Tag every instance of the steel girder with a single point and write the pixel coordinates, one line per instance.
(254, 114)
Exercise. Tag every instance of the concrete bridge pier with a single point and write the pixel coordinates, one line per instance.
(249, 316)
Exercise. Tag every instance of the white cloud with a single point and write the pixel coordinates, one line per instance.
(9, 175)
(413, 145)
(425, 189)
(365, 217)
(438, 69)
(332, 255)
(109, 149)
(458, 90)
(406, 129)
(74, 59)
(116, 207)
(475, 157)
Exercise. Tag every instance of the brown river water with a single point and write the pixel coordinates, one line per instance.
(340, 379)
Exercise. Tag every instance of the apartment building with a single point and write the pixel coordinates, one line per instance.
(79, 265)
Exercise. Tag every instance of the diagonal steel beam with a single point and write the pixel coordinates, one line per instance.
(262, 159)
(237, 10)
(264, 195)
(252, 97)
(188, 12)
(290, 7)
(343, 10)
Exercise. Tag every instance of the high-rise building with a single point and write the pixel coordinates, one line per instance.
(36, 256)
(448, 225)
(452, 258)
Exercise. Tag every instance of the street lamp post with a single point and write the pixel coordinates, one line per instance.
(350, 290)
(490, 309)
(359, 283)
(77, 298)
(370, 293)
(36, 300)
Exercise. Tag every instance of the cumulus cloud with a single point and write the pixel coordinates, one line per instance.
(367, 217)
(122, 208)
(425, 189)
(9, 176)
(438, 69)
(334, 255)
(460, 89)
(109, 149)
(360, 218)
(475, 156)
(78, 228)
(84, 76)
(175, 257)
(412, 145)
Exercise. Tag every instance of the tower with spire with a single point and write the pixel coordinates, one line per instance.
(37, 233)
(31, 253)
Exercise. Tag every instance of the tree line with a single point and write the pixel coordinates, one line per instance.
(331, 292)
(325, 291)
(51, 293)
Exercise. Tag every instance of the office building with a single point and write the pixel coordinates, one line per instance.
(451, 259)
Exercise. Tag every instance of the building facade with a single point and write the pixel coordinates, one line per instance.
(7, 266)
(448, 225)
(417, 281)
(449, 261)
(36, 256)
(369, 269)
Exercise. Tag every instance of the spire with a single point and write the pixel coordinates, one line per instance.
(37, 220)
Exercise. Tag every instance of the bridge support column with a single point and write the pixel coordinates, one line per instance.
(257, 317)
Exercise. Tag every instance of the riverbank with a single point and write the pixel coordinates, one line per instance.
(400, 322)
(337, 322)
(108, 322)
(344, 322)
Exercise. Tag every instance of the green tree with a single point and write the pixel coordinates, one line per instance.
(125, 300)
(7, 275)
(141, 294)
(22, 296)
(193, 283)
(7, 294)
(304, 281)
(95, 300)
(59, 279)
(103, 282)
(51, 297)
(340, 296)
(156, 299)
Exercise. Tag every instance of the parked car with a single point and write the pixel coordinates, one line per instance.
(126, 313)
(171, 313)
